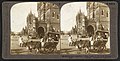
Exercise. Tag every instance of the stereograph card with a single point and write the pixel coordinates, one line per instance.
(59, 30)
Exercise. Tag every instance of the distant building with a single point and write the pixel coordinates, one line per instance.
(98, 15)
(48, 17)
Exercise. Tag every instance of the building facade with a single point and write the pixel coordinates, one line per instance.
(98, 15)
(81, 24)
(31, 24)
(48, 17)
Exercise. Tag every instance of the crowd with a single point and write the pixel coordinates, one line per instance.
(91, 39)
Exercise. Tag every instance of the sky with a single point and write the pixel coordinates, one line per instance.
(19, 13)
(68, 13)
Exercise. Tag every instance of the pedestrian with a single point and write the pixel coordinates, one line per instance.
(20, 41)
(98, 37)
(56, 38)
(91, 42)
(106, 36)
(49, 38)
(70, 40)
(42, 42)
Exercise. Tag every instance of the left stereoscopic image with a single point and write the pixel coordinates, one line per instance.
(35, 28)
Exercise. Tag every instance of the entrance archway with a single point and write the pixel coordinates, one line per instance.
(40, 32)
(90, 30)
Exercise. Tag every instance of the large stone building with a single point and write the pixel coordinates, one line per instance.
(80, 22)
(98, 15)
(31, 24)
(48, 17)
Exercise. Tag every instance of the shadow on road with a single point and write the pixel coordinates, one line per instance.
(68, 50)
(18, 51)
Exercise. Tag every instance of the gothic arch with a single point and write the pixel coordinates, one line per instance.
(90, 30)
(41, 32)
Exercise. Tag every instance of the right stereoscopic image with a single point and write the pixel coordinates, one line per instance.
(85, 27)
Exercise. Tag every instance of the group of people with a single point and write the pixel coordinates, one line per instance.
(91, 38)
(49, 38)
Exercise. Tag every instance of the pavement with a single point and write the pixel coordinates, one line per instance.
(15, 48)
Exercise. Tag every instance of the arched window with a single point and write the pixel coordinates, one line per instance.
(102, 12)
(106, 14)
(53, 14)
(93, 15)
(57, 16)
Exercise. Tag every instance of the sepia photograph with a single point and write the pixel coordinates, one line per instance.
(86, 28)
(35, 28)
(43, 28)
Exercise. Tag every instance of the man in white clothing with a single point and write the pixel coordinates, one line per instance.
(91, 42)
(70, 40)
(20, 41)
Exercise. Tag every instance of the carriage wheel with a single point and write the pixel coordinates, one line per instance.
(51, 49)
(79, 47)
(48, 50)
(37, 50)
(45, 50)
(55, 50)
(100, 48)
(28, 47)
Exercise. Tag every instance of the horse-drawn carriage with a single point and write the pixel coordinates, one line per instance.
(97, 43)
(82, 43)
(45, 44)
(100, 40)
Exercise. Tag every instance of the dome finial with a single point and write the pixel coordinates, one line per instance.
(80, 10)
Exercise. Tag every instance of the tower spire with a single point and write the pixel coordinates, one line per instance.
(80, 11)
(30, 11)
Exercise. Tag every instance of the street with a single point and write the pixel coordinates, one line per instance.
(62, 47)
(66, 49)
(15, 48)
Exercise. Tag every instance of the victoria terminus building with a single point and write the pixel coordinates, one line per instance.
(97, 22)
(47, 20)
(39, 30)
(97, 18)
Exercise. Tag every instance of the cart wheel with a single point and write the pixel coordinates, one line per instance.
(29, 49)
(79, 47)
(45, 50)
(55, 50)
(51, 49)
(99, 49)
(36, 51)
